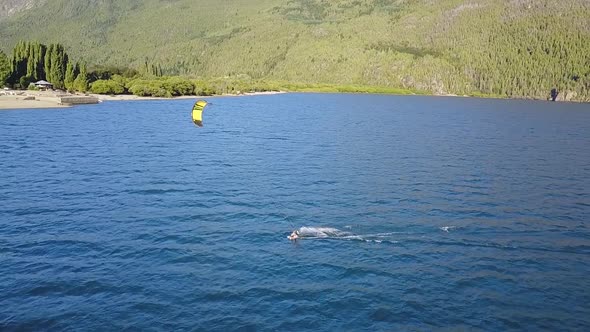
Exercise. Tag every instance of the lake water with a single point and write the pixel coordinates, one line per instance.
(417, 213)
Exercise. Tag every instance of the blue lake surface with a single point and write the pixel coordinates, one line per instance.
(417, 213)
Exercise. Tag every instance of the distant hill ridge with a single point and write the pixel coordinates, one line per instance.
(514, 48)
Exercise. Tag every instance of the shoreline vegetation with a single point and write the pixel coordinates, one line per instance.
(27, 99)
(19, 99)
(35, 99)
(42, 76)
(33, 64)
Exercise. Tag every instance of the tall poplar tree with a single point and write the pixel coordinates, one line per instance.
(5, 69)
(70, 77)
(58, 66)
(47, 63)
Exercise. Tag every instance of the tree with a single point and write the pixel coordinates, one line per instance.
(70, 77)
(58, 66)
(25, 81)
(47, 63)
(81, 81)
(4, 68)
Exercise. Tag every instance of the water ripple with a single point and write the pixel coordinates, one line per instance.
(426, 214)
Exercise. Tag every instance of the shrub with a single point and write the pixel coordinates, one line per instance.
(178, 86)
(107, 87)
(146, 88)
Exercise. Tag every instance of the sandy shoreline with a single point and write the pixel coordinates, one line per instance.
(14, 99)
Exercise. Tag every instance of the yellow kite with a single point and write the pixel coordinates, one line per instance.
(198, 112)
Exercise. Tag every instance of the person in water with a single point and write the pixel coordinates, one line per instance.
(294, 236)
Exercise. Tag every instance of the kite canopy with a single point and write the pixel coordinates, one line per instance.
(197, 112)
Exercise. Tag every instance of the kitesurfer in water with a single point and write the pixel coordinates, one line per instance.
(294, 236)
(554, 94)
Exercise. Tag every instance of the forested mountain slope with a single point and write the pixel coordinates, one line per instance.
(514, 48)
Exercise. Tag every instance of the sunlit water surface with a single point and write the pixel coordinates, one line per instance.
(416, 213)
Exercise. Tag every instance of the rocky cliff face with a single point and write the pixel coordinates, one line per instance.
(11, 7)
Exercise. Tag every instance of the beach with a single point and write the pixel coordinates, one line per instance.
(19, 99)
(14, 99)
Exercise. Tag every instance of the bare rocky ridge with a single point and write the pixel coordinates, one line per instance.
(11, 7)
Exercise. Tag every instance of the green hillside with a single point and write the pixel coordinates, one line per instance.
(512, 48)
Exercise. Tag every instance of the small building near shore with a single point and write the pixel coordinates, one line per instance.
(43, 85)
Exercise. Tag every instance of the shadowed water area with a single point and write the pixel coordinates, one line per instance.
(416, 213)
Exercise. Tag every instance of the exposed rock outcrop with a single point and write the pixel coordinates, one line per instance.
(11, 7)
(566, 96)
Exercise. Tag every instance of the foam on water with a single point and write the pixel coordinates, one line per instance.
(446, 228)
(311, 233)
(321, 232)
